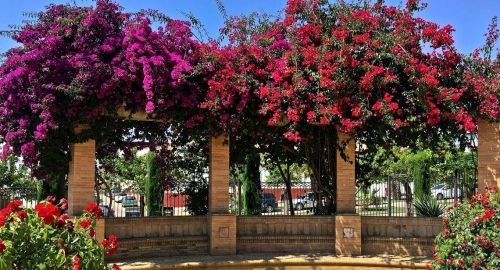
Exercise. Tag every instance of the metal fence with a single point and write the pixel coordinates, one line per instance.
(396, 195)
(274, 200)
(27, 195)
(122, 204)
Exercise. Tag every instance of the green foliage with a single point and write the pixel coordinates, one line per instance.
(251, 190)
(297, 173)
(368, 197)
(197, 201)
(14, 174)
(424, 166)
(154, 186)
(471, 235)
(419, 164)
(125, 173)
(428, 206)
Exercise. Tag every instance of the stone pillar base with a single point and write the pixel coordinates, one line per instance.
(222, 229)
(348, 235)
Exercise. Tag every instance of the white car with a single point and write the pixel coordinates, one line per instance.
(443, 191)
(306, 201)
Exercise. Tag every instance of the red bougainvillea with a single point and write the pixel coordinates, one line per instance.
(355, 67)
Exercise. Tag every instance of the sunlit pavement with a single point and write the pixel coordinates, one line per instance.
(269, 261)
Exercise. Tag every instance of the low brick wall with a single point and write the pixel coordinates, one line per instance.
(408, 236)
(158, 236)
(291, 234)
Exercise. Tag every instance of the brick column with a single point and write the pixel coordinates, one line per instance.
(346, 179)
(347, 222)
(488, 152)
(81, 178)
(218, 191)
(222, 225)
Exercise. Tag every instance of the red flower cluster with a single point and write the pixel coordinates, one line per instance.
(76, 262)
(110, 244)
(12, 207)
(2, 247)
(48, 212)
(94, 210)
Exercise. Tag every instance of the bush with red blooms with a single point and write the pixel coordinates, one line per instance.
(357, 66)
(471, 235)
(47, 238)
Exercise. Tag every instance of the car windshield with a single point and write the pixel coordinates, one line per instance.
(438, 186)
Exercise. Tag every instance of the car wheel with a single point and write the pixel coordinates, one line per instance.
(299, 207)
(440, 196)
(269, 209)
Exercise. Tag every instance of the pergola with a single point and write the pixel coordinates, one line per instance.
(222, 224)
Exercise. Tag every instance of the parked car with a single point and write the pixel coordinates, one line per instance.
(306, 201)
(443, 191)
(132, 212)
(269, 203)
(118, 196)
(129, 201)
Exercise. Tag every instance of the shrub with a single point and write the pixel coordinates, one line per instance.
(197, 200)
(46, 238)
(471, 235)
(428, 206)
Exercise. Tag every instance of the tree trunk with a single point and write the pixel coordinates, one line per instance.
(321, 157)
(408, 199)
(288, 185)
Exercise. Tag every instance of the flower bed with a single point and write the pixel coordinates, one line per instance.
(47, 238)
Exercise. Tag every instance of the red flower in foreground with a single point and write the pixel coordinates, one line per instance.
(94, 209)
(115, 267)
(85, 223)
(14, 205)
(48, 212)
(2, 247)
(110, 244)
(488, 214)
(22, 215)
(76, 263)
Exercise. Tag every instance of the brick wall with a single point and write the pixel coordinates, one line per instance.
(399, 235)
(175, 236)
(159, 236)
(297, 234)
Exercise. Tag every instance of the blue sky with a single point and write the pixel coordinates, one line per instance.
(469, 18)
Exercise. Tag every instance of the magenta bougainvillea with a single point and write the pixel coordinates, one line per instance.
(364, 68)
(75, 64)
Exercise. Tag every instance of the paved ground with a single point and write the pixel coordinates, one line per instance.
(281, 262)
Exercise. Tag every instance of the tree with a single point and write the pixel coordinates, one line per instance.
(251, 189)
(154, 186)
(13, 174)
